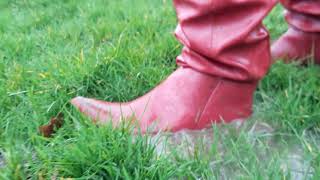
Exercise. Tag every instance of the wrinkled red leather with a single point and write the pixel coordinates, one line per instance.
(302, 40)
(297, 45)
(226, 51)
(224, 38)
(303, 14)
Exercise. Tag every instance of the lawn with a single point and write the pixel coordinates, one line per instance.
(52, 51)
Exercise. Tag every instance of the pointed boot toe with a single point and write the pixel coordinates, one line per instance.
(186, 100)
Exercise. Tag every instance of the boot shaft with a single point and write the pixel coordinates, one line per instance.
(224, 38)
(303, 14)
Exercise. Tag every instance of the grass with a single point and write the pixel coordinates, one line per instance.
(51, 51)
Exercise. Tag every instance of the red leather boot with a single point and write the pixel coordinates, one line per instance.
(302, 41)
(225, 54)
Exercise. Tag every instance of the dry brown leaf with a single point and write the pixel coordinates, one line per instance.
(54, 124)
